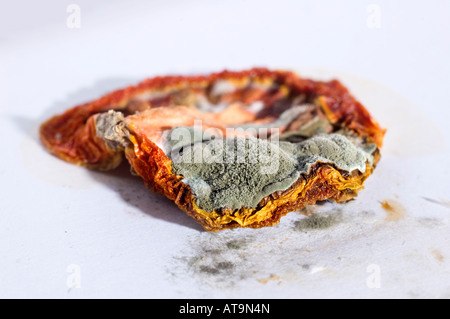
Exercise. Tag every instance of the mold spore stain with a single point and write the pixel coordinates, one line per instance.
(219, 260)
(437, 255)
(394, 210)
(232, 259)
(317, 221)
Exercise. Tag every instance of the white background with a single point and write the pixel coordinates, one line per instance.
(125, 242)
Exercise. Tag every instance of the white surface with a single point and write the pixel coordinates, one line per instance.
(128, 242)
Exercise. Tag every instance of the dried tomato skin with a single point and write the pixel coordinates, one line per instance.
(72, 137)
(69, 137)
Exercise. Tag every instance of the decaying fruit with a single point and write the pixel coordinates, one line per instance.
(231, 149)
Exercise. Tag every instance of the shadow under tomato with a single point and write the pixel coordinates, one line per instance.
(133, 191)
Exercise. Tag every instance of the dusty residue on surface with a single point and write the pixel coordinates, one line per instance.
(318, 221)
(216, 259)
(394, 210)
(217, 268)
(298, 252)
(430, 222)
(272, 277)
(237, 244)
(243, 258)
